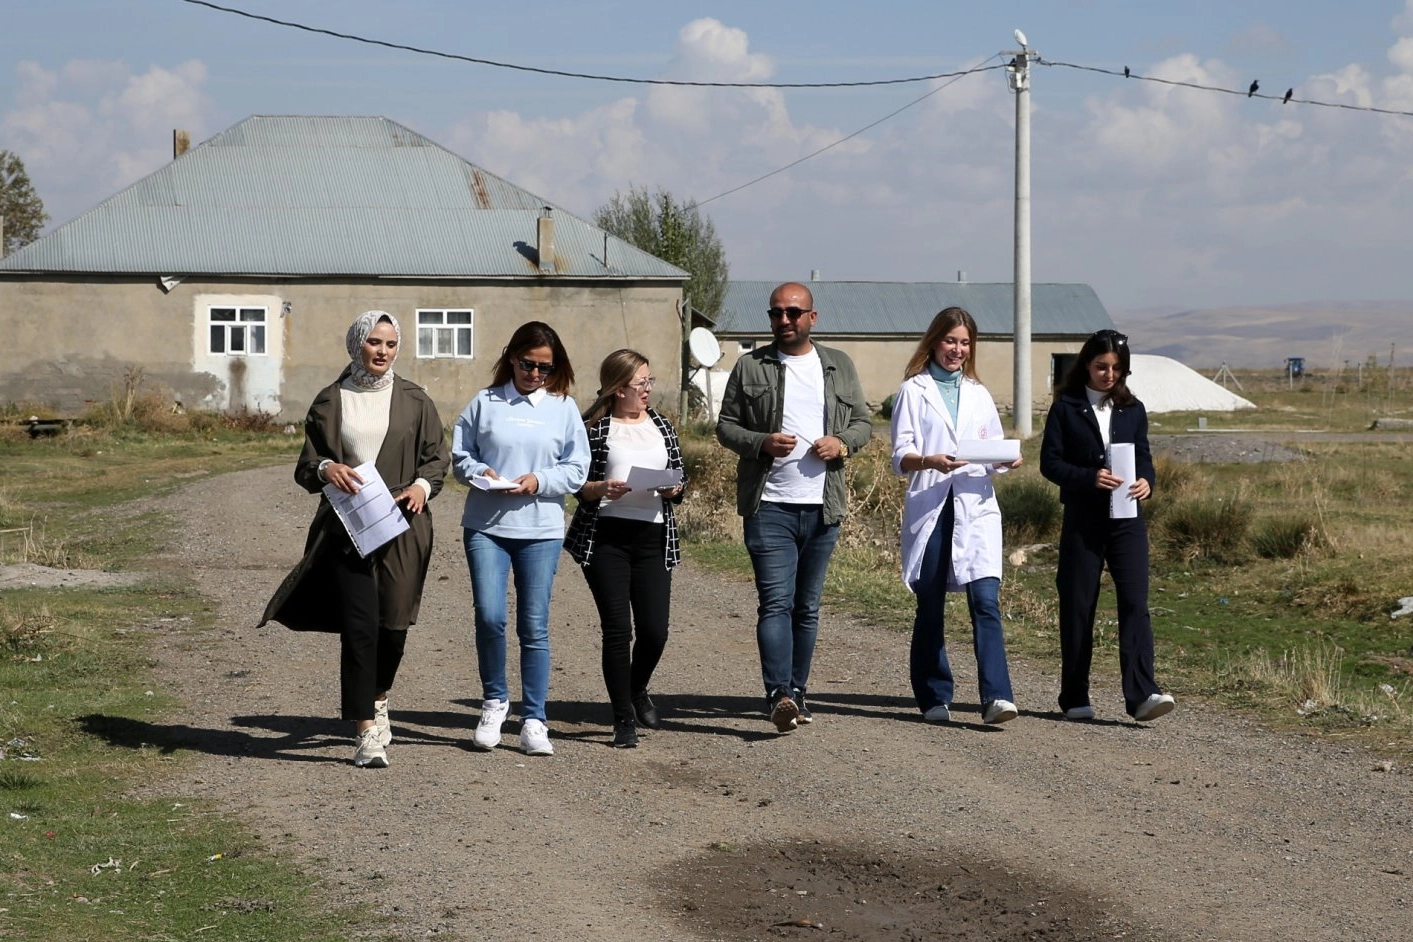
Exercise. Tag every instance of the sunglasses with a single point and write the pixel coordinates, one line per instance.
(1108, 333)
(530, 366)
(794, 313)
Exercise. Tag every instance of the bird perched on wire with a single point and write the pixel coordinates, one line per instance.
(1125, 71)
(1288, 93)
(1255, 84)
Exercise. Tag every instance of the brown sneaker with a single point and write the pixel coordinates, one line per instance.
(783, 712)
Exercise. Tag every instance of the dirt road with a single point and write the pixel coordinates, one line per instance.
(869, 825)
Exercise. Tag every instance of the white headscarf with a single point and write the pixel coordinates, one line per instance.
(358, 332)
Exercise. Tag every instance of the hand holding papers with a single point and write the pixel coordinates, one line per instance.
(988, 450)
(649, 479)
(371, 516)
(1123, 464)
(480, 482)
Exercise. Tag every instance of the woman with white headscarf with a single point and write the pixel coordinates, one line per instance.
(367, 414)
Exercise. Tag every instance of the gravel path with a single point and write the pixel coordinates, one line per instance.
(869, 825)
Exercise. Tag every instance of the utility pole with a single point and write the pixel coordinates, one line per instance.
(1018, 75)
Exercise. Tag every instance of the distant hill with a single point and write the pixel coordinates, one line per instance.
(1256, 337)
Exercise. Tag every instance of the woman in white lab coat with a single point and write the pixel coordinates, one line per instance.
(951, 537)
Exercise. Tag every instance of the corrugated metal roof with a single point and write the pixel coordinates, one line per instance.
(906, 308)
(291, 195)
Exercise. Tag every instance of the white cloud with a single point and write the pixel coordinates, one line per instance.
(90, 127)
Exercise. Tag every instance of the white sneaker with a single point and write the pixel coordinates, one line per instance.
(938, 714)
(1085, 712)
(999, 711)
(493, 713)
(1159, 704)
(534, 738)
(370, 752)
(380, 720)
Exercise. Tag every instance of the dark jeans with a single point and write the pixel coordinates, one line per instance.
(928, 665)
(1088, 539)
(369, 655)
(632, 587)
(790, 546)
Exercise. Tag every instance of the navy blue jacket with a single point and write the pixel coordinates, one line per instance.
(1072, 449)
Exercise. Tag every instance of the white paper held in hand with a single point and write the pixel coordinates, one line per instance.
(371, 516)
(988, 450)
(650, 479)
(482, 483)
(1123, 463)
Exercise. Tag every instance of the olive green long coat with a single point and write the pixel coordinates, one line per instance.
(415, 447)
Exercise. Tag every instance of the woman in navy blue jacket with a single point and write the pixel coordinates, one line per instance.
(1093, 409)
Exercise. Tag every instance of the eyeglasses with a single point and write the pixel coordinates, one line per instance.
(648, 383)
(1108, 333)
(794, 313)
(530, 366)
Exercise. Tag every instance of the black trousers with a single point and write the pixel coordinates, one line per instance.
(1088, 540)
(369, 654)
(632, 588)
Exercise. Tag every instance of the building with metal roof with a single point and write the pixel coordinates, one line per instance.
(231, 273)
(879, 323)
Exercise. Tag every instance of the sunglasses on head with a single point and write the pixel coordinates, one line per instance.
(1108, 333)
(794, 313)
(530, 366)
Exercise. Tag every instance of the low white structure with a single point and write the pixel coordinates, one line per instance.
(1165, 385)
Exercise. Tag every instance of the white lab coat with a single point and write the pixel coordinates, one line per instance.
(922, 426)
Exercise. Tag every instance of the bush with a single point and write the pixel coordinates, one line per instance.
(1206, 528)
(1287, 537)
(1030, 508)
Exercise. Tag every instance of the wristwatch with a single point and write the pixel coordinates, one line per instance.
(843, 449)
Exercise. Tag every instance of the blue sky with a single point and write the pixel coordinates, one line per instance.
(1158, 197)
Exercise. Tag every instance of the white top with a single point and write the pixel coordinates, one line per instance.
(630, 445)
(364, 423)
(1103, 411)
(798, 478)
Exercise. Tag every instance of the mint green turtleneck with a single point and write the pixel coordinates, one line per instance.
(949, 384)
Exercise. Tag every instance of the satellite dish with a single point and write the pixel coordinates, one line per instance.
(1020, 38)
(705, 350)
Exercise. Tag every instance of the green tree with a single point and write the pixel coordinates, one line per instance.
(21, 207)
(675, 232)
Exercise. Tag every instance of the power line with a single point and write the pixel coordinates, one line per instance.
(1242, 92)
(983, 67)
(579, 75)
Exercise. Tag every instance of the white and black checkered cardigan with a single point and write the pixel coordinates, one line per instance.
(580, 538)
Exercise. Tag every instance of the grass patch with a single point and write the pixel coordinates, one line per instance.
(93, 846)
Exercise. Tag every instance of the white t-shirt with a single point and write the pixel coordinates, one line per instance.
(630, 445)
(798, 478)
(1103, 411)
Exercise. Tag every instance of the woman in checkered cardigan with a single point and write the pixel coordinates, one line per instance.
(626, 540)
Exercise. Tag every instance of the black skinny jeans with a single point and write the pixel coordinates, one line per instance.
(632, 587)
(369, 654)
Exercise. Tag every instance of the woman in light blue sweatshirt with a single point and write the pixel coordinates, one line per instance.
(521, 446)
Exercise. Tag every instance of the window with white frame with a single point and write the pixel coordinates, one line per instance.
(444, 333)
(237, 331)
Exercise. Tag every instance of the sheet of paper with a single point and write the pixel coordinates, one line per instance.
(492, 484)
(1124, 464)
(649, 479)
(988, 450)
(371, 516)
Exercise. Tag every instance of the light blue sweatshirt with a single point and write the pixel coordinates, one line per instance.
(513, 434)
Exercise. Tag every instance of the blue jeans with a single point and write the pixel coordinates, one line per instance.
(491, 558)
(790, 546)
(928, 665)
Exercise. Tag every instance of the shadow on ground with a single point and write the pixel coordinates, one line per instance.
(808, 889)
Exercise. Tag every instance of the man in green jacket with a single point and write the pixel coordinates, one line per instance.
(794, 411)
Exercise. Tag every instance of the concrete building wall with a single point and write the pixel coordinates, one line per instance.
(72, 341)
